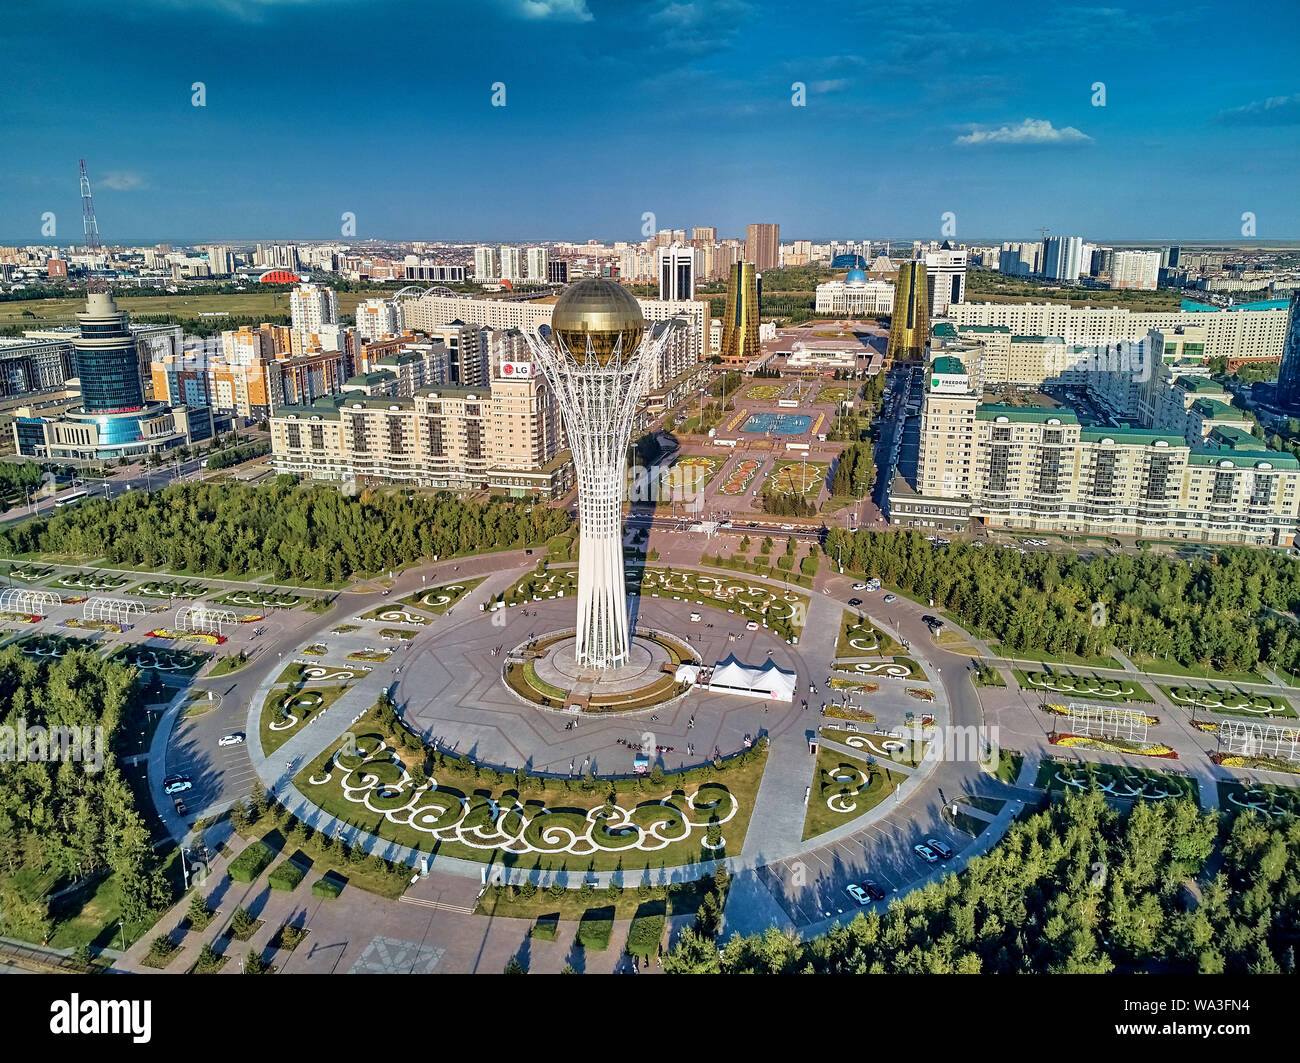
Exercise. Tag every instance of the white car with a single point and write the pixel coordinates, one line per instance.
(752, 626)
(695, 618)
(177, 786)
(230, 740)
(890, 598)
(859, 586)
(858, 894)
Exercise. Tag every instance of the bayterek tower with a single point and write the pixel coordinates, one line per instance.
(596, 359)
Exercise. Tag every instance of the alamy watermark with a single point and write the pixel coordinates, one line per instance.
(78, 745)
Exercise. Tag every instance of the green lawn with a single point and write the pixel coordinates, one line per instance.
(1226, 700)
(537, 821)
(1119, 780)
(869, 641)
(318, 699)
(89, 915)
(1068, 683)
(438, 600)
(838, 779)
(1047, 657)
(1161, 666)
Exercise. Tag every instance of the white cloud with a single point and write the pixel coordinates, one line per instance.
(830, 85)
(1030, 132)
(1276, 110)
(120, 181)
(562, 10)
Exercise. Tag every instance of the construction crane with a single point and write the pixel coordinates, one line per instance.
(96, 280)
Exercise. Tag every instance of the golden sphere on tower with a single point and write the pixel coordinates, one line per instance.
(602, 311)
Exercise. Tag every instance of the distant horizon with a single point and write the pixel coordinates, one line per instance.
(979, 241)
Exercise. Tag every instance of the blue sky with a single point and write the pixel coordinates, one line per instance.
(619, 107)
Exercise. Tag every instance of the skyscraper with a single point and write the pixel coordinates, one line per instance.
(484, 264)
(1135, 270)
(909, 325)
(538, 260)
(511, 264)
(946, 274)
(106, 358)
(1288, 376)
(707, 234)
(763, 245)
(1062, 257)
(676, 270)
(311, 306)
(740, 320)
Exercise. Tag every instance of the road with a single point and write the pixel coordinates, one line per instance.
(132, 478)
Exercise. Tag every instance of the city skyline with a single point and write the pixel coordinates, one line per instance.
(905, 117)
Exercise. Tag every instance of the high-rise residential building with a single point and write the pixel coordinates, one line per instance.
(909, 324)
(512, 269)
(1176, 462)
(484, 264)
(740, 344)
(763, 245)
(946, 274)
(1062, 256)
(1288, 377)
(311, 306)
(557, 271)
(377, 318)
(1138, 270)
(704, 234)
(1169, 256)
(676, 271)
(538, 263)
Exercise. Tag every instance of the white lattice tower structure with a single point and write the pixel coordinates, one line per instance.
(598, 399)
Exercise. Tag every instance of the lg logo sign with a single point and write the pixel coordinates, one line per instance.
(516, 369)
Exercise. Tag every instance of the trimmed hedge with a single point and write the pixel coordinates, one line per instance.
(327, 887)
(250, 863)
(286, 876)
(647, 930)
(596, 927)
(546, 928)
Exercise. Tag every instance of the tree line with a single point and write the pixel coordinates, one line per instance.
(59, 821)
(1078, 888)
(308, 533)
(1230, 610)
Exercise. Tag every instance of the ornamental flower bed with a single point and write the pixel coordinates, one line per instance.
(1237, 760)
(1112, 746)
(849, 712)
(187, 636)
(1061, 710)
(741, 475)
(920, 694)
(22, 618)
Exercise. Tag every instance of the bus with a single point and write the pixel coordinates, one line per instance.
(72, 499)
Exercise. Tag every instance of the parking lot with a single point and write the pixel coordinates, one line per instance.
(811, 887)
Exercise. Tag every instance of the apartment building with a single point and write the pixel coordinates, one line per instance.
(1246, 331)
(505, 438)
(1193, 472)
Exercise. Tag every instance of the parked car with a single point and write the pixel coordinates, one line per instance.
(230, 740)
(855, 601)
(873, 890)
(857, 893)
(752, 626)
(890, 598)
(859, 586)
(179, 786)
(926, 853)
(939, 847)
